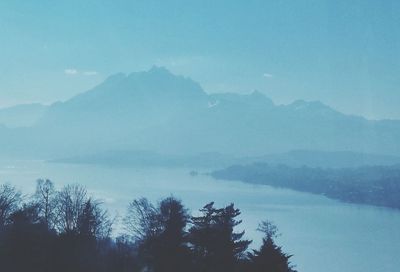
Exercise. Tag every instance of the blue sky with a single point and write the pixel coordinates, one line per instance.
(343, 53)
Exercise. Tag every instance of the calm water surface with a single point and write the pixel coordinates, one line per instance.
(322, 234)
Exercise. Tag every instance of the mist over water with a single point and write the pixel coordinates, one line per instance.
(140, 135)
(286, 110)
(316, 230)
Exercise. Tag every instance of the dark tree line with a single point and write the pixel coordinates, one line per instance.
(68, 231)
(373, 185)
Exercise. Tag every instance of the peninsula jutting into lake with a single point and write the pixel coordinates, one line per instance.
(204, 136)
(373, 185)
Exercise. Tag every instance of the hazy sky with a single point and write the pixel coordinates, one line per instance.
(344, 53)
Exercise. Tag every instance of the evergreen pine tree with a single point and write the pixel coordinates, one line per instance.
(270, 257)
(215, 244)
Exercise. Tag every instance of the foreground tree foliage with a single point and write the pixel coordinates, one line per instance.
(69, 231)
(216, 246)
(269, 257)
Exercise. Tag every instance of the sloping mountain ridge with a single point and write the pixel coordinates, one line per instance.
(24, 115)
(161, 112)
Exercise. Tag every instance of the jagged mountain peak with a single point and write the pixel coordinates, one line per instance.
(160, 111)
(311, 106)
(300, 103)
(155, 83)
(253, 99)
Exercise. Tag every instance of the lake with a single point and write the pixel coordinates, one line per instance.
(322, 234)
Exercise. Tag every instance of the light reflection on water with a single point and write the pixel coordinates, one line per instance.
(323, 235)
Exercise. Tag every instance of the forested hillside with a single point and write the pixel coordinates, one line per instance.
(68, 230)
(373, 185)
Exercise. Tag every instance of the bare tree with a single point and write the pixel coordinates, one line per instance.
(141, 220)
(45, 199)
(10, 199)
(79, 214)
(70, 204)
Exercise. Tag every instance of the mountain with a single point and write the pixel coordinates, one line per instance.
(168, 114)
(323, 159)
(25, 115)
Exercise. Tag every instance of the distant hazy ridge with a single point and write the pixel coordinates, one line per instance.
(160, 112)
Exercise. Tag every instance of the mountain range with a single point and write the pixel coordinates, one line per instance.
(24, 115)
(158, 111)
